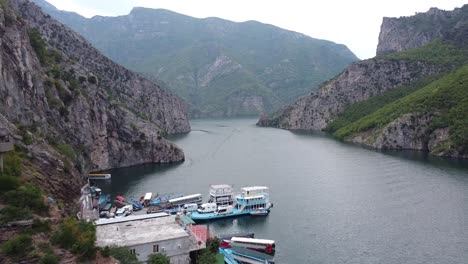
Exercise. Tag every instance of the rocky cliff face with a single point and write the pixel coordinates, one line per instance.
(72, 109)
(357, 83)
(404, 33)
(423, 101)
(413, 131)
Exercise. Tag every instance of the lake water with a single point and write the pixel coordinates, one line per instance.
(334, 202)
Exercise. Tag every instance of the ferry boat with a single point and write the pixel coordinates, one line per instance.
(99, 176)
(250, 200)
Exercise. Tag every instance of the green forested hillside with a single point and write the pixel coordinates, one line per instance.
(221, 68)
(446, 98)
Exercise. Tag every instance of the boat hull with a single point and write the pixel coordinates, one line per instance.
(260, 213)
(199, 217)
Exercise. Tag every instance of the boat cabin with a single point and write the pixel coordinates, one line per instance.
(253, 198)
(221, 194)
(189, 199)
(147, 198)
(254, 190)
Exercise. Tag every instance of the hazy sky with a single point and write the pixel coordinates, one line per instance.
(355, 23)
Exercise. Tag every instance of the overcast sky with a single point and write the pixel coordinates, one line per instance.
(355, 23)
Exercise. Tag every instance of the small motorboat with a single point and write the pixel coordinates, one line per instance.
(260, 212)
(136, 204)
(103, 200)
(120, 204)
(120, 198)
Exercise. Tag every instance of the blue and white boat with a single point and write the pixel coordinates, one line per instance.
(137, 205)
(103, 200)
(251, 199)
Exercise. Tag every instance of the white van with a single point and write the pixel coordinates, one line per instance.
(207, 208)
(128, 209)
(190, 207)
(124, 211)
(121, 212)
(224, 210)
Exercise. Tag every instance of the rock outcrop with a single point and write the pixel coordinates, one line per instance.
(413, 131)
(404, 33)
(357, 83)
(73, 110)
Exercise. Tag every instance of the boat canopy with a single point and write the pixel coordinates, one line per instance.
(221, 189)
(252, 240)
(254, 190)
(254, 197)
(148, 196)
(183, 198)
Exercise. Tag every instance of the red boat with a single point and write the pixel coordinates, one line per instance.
(120, 198)
(261, 245)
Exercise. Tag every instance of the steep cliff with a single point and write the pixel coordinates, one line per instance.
(220, 67)
(416, 98)
(405, 33)
(432, 119)
(359, 82)
(71, 110)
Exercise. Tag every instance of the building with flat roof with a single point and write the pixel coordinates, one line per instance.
(148, 234)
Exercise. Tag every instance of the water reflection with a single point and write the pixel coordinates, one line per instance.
(124, 177)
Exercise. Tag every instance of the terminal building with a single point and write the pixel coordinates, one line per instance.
(148, 234)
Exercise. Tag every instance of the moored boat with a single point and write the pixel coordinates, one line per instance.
(261, 245)
(103, 200)
(189, 199)
(238, 255)
(136, 204)
(251, 199)
(120, 204)
(163, 200)
(99, 176)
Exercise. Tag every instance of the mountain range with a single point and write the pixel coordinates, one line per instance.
(221, 68)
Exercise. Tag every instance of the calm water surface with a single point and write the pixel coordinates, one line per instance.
(334, 202)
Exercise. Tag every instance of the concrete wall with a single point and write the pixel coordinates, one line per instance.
(176, 249)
